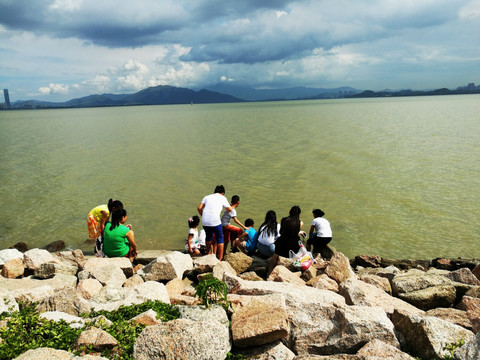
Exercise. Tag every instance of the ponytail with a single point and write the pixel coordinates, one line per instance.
(117, 215)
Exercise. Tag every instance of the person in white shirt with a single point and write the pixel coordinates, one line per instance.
(320, 232)
(268, 233)
(229, 229)
(210, 208)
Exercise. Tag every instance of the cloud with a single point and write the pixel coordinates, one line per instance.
(54, 89)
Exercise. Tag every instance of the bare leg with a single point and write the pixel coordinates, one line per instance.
(220, 251)
(208, 247)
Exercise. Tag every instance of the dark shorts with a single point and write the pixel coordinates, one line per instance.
(318, 242)
(213, 230)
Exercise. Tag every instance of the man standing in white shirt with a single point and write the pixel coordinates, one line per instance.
(210, 208)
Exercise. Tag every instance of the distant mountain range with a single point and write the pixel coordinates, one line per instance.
(225, 93)
(164, 95)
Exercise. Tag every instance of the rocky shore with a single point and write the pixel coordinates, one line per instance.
(363, 308)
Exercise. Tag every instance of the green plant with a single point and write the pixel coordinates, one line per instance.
(25, 330)
(212, 291)
(451, 348)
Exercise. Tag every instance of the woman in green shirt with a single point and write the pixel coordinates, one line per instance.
(119, 240)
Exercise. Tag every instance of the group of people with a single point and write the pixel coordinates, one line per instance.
(113, 238)
(272, 238)
(106, 227)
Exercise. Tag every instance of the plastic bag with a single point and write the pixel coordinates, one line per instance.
(303, 259)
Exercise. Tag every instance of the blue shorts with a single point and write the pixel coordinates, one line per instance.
(214, 230)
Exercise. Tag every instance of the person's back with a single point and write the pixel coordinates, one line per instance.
(290, 227)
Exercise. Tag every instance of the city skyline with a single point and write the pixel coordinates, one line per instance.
(56, 50)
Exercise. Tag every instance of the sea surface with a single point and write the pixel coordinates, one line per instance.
(396, 177)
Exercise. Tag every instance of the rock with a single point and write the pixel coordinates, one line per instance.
(20, 246)
(93, 265)
(72, 258)
(111, 275)
(326, 330)
(260, 321)
(168, 267)
(9, 254)
(152, 290)
(95, 338)
(378, 281)
(183, 339)
(470, 350)
(474, 292)
(472, 308)
(55, 246)
(8, 304)
(339, 268)
(249, 275)
(455, 316)
(221, 268)
(309, 274)
(432, 297)
(323, 282)
(133, 281)
(293, 294)
(13, 268)
(414, 280)
(73, 321)
(427, 335)
(147, 318)
(174, 287)
(65, 300)
(52, 354)
(49, 270)
(406, 264)
(205, 263)
(271, 351)
(357, 292)
(239, 261)
(465, 276)
(88, 288)
(36, 257)
(282, 274)
(476, 271)
(377, 350)
(200, 313)
(368, 260)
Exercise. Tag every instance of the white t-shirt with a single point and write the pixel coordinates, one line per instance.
(227, 216)
(266, 239)
(322, 227)
(193, 241)
(214, 204)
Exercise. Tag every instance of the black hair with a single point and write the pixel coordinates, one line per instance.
(295, 211)
(193, 222)
(249, 222)
(318, 213)
(114, 205)
(270, 223)
(235, 199)
(117, 215)
(219, 189)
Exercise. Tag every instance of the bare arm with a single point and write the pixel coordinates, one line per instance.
(200, 208)
(188, 242)
(312, 228)
(239, 223)
(131, 239)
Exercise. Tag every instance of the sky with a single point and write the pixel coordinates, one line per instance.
(57, 50)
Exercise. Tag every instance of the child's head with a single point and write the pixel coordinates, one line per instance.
(317, 213)
(249, 222)
(193, 222)
(114, 205)
(235, 199)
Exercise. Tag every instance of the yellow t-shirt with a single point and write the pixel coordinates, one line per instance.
(97, 212)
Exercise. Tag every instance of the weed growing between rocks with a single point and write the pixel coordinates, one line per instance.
(212, 291)
(25, 330)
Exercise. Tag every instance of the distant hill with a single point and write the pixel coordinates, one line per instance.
(294, 93)
(388, 93)
(158, 95)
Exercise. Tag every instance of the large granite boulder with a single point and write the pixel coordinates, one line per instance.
(9, 254)
(339, 268)
(427, 336)
(183, 339)
(168, 267)
(36, 257)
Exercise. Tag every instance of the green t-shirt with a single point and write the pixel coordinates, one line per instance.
(115, 242)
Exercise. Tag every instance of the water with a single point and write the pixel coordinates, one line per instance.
(397, 177)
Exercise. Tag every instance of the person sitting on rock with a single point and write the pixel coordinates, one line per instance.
(119, 239)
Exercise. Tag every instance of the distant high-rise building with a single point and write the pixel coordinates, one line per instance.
(7, 99)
